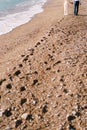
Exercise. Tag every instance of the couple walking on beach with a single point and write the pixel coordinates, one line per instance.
(76, 6)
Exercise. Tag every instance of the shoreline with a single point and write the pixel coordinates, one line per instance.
(27, 35)
(17, 18)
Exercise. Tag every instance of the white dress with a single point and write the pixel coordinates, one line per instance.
(66, 8)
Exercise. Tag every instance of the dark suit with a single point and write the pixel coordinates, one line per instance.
(76, 7)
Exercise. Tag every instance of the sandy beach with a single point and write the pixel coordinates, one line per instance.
(43, 72)
(26, 36)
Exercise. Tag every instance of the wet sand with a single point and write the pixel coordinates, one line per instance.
(44, 87)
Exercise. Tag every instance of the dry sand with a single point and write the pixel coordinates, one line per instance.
(43, 85)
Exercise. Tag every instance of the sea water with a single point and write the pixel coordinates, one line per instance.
(14, 13)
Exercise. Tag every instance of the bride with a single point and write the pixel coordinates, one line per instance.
(66, 7)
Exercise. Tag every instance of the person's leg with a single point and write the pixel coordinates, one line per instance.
(75, 8)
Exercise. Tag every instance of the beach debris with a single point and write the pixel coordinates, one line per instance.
(23, 100)
(2, 80)
(71, 117)
(29, 117)
(18, 123)
(9, 86)
(7, 112)
(24, 116)
(44, 109)
(34, 82)
(22, 89)
(17, 73)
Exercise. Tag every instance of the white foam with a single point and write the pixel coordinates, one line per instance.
(11, 21)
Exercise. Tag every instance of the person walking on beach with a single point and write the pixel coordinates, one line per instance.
(76, 6)
(66, 7)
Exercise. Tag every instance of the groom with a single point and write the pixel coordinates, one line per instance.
(76, 6)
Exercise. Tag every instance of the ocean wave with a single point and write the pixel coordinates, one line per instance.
(11, 21)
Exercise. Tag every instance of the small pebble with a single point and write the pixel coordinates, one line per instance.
(18, 122)
(23, 101)
(24, 116)
(44, 109)
(22, 88)
(8, 86)
(7, 112)
(34, 82)
(17, 72)
(29, 117)
(71, 117)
